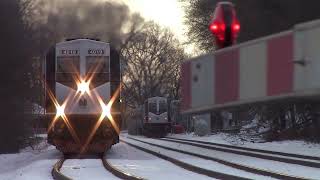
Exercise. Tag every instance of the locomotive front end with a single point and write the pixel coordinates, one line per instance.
(156, 121)
(83, 96)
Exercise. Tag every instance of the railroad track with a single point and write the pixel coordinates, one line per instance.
(57, 175)
(246, 168)
(251, 149)
(187, 166)
(309, 161)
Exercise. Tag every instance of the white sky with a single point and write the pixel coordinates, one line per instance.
(167, 13)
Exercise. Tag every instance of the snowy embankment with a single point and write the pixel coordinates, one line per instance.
(292, 146)
(206, 164)
(139, 163)
(29, 164)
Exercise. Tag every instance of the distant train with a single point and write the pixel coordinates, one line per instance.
(156, 122)
(82, 96)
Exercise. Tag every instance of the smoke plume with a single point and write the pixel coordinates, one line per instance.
(61, 19)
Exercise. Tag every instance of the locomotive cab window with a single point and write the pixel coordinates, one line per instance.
(162, 107)
(67, 69)
(68, 64)
(97, 64)
(97, 67)
(153, 107)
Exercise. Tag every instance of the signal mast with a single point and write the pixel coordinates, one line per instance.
(225, 25)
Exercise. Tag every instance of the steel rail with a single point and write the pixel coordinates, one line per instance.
(118, 173)
(56, 174)
(247, 153)
(252, 149)
(227, 163)
(187, 166)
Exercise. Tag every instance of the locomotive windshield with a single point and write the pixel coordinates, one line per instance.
(153, 107)
(68, 64)
(67, 69)
(98, 64)
(98, 68)
(162, 107)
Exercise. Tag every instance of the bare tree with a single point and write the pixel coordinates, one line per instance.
(151, 59)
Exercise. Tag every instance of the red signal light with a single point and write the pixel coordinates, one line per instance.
(222, 27)
(218, 29)
(236, 27)
(214, 28)
(225, 26)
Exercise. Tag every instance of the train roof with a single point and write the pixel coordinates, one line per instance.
(225, 3)
(156, 98)
(94, 39)
(76, 41)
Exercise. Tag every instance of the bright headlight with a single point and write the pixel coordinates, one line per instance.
(60, 111)
(106, 111)
(83, 87)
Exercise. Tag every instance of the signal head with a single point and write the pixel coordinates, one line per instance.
(225, 25)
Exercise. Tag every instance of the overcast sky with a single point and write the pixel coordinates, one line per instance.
(165, 12)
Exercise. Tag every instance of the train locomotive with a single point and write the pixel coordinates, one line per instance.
(156, 121)
(83, 96)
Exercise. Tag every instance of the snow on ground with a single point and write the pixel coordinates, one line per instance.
(86, 169)
(139, 163)
(29, 164)
(206, 164)
(37, 164)
(292, 146)
(240, 150)
(275, 166)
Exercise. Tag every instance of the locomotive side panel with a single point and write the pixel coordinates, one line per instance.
(203, 81)
(253, 71)
(307, 54)
(186, 86)
(280, 66)
(226, 73)
(50, 84)
(274, 68)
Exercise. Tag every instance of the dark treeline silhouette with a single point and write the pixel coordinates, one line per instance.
(258, 18)
(15, 57)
